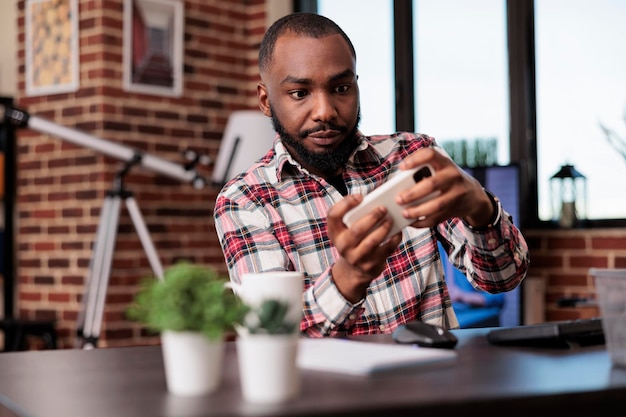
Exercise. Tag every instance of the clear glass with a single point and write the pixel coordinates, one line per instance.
(369, 24)
(461, 72)
(581, 88)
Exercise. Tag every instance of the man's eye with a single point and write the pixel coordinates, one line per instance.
(343, 88)
(298, 94)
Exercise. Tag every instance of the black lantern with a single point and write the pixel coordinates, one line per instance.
(569, 197)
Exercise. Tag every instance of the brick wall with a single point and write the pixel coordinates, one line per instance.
(61, 186)
(562, 258)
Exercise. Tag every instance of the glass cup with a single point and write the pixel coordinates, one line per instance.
(611, 293)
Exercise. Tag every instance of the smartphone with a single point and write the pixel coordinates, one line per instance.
(385, 195)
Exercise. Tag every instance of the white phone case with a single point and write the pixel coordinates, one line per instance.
(385, 196)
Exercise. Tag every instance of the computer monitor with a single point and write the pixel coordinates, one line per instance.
(503, 181)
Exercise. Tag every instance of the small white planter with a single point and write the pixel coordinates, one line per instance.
(193, 363)
(267, 367)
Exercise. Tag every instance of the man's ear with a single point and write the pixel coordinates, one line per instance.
(264, 102)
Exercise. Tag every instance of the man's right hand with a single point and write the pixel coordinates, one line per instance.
(362, 247)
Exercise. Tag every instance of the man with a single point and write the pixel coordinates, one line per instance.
(285, 212)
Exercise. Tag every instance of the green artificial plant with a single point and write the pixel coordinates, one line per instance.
(189, 298)
(270, 317)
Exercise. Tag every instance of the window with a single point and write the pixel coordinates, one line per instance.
(581, 86)
(543, 77)
(368, 25)
(461, 73)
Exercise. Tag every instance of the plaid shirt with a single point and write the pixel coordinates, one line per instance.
(273, 217)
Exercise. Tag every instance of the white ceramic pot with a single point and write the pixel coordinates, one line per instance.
(267, 367)
(193, 363)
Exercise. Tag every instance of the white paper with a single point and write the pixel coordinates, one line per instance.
(365, 358)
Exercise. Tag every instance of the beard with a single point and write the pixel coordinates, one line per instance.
(328, 162)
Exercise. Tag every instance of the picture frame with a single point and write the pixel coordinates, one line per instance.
(51, 49)
(153, 47)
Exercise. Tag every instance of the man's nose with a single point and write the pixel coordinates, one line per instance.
(323, 108)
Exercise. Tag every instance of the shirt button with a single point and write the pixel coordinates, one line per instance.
(352, 316)
(382, 327)
(491, 241)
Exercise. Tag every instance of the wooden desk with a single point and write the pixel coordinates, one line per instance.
(485, 380)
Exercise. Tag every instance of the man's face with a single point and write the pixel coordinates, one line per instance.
(310, 90)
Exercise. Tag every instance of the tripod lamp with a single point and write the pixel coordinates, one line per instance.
(90, 317)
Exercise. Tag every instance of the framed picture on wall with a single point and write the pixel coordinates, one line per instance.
(51, 47)
(153, 46)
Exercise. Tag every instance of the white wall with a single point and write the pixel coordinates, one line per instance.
(8, 49)
(277, 9)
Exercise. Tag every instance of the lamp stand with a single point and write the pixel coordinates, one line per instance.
(94, 298)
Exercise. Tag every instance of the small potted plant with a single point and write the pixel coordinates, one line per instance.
(193, 311)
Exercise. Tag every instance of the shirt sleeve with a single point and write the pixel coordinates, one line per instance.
(495, 260)
(326, 311)
(254, 240)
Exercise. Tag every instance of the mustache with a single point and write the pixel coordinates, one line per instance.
(322, 127)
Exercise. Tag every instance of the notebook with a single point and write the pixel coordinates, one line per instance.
(564, 334)
(365, 358)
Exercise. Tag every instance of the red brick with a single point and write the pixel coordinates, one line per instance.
(30, 296)
(44, 181)
(43, 214)
(589, 261)
(58, 230)
(72, 245)
(566, 243)
(58, 263)
(72, 111)
(563, 279)
(111, 23)
(44, 280)
(608, 243)
(72, 212)
(543, 261)
(60, 196)
(59, 298)
(44, 246)
(72, 280)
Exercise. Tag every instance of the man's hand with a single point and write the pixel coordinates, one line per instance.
(362, 247)
(461, 194)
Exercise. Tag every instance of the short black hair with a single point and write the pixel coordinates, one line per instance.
(305, 24)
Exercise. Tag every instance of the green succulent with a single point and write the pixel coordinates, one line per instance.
(189, 298)
(269, 318)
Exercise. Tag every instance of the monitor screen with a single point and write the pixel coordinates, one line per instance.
(503, 182)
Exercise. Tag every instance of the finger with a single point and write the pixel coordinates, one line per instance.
(417, 158)
(429, 208)
(371, 222)
(376, 258)
(338, 210)
(365, 245)
(336, 213)
(418, 191)
(391, 244)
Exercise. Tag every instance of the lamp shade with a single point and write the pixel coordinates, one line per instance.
(248, 136)
(568, 171)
